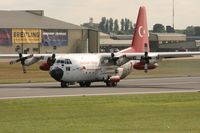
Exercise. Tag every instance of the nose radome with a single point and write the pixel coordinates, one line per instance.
(57, 73)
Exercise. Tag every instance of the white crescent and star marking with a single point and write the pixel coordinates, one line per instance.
(141, 31)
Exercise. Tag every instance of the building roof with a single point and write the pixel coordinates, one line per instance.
(31, 19)
(168, 36)
(104, 36)
(121, 37)
(154, 37)
(193, 38)
(106, 42)
(187, 45)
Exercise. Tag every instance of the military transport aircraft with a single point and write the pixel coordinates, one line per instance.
(85, 68)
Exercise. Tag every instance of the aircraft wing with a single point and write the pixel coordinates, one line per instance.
(176, 54)
(29, 59)
(112, 58)
(159, 54)
(41, 56)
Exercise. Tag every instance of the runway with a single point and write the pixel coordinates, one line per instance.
(127, 86)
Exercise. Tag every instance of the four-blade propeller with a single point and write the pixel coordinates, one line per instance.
(22, 60)
(114, 59)
(51, 60)
(146, 58)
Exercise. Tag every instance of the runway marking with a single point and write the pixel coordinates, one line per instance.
(162, 78)
(167, 83)
(181, 82)
(102, 94)
(125, 80)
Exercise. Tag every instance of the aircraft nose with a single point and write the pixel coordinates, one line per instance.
(57, 73)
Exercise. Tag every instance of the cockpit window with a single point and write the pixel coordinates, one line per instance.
(58, 61)
(62, 61)
(68, 61)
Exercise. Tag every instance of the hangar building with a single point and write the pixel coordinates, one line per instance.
(162, 42)
(33, 32)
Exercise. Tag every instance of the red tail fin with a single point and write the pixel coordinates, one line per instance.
(140, 36)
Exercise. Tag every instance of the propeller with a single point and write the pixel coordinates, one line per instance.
(113, 58)
(22, 60)
(51, 60)
(146, 58)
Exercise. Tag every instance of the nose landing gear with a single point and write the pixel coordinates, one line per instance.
(64, 84)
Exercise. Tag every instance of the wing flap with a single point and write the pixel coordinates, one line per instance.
(176, 54)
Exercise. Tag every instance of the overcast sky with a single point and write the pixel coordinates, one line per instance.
(187, 12)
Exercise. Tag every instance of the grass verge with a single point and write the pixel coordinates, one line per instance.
(14, 74)
(172, 68)
(148, 113)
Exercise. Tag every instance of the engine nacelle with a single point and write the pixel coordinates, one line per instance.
(45, 66)
(31, 61)
(140, 66)
(114, 78)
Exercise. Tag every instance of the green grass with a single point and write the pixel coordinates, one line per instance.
(149, 113)
(172, 68)
(14, 74)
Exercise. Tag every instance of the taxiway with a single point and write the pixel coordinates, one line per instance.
(127, 86)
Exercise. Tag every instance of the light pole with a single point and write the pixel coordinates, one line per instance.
(173, 15)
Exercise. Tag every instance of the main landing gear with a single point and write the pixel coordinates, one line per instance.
(111, 84)
(87, 84)
(84, 84)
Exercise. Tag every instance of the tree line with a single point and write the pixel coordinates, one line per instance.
(125, 26)
(112, 26)
(190, 30)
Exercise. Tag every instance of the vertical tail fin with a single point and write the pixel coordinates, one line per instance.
(140, 36)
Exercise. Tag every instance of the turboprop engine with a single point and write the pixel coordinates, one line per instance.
(46, 65)
(114, 78)
(141, 66)
(25, 61)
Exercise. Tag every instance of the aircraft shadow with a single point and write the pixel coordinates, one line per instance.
(93, 86)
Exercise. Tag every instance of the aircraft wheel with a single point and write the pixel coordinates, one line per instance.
(111, 84)
(114, 84)
(87, 84)
(108, 84)
(64, 84)
(82, 84)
